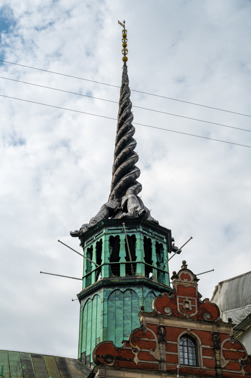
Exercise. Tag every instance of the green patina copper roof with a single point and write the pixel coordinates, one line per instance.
(29, 365)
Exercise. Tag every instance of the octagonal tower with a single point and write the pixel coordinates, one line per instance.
(125, 249)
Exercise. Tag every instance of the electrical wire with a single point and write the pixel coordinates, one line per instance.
(58, 89)
(134, 106)
(60, 74)
(133, 90)
(192, 135)
(135, 123)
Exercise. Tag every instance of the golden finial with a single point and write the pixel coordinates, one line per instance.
(124, 42)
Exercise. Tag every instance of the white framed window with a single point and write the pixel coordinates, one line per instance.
(188, 350)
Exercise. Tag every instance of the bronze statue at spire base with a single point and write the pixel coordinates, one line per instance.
(123, 200)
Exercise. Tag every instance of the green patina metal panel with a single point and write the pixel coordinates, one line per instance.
(39, 366)
(87, 341)
(96, 323)
(73, 368)
(85, 328)
(15, 365)
(67, 368)
(51, 366)
(27, 365)
(145, 264)
(118, 325)
(127, 304)
(92, 324)
(4, 363)
(110, 312)
(149, 300)
(135, 310)
(122, 311)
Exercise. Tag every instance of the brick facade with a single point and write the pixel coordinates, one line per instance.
(182, 336)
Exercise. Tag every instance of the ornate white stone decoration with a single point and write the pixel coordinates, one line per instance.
(187, 306)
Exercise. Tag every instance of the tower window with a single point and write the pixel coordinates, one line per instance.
(114, 245)
(188, 351)
(132, 245)
(160, 262)
(148, 256)
(98, 258)
(88, 265)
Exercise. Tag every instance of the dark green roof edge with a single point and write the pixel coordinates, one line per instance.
(123, 281)
(129, 222)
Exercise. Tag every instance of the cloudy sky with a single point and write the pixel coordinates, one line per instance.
(55, 164)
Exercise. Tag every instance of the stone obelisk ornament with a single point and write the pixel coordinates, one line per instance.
(123, 200)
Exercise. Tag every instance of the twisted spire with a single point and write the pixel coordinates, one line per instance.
(123, 200)
(124, 171)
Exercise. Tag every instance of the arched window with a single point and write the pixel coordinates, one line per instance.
(188, 351)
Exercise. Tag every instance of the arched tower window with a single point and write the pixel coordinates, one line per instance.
(114, 246)
(188, 351)
(160, 262)
(88, 266)
(132, 245)
(98, 259)
(148, 256)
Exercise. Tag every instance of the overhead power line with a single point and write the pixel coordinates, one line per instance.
(60, 74)
(135, 123)
(133, 90)
(134, 106)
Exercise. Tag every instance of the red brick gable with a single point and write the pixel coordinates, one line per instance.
(155, 346)
(185, 302)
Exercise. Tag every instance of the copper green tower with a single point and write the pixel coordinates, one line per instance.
(125, 249)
